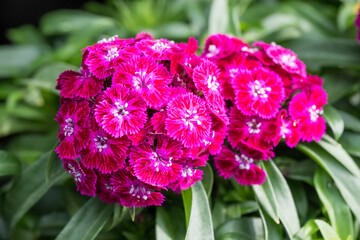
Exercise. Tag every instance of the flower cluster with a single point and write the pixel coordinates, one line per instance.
(269, 96)
(140, 116)
(357, 22)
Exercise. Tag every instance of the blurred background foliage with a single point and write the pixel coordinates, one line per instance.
(313, 191)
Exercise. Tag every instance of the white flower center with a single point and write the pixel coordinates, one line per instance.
(160, 46)
(142, 79)
(253, 126)
(100, 142)
(258, 90)
(161, 160)
(244, 161)
(213, 83)
(139, 192)
(212, 51)
(191, 117)
(314, 113)
(76, 174)
(69, 127)
(120, 110)
(112, 53)
(187, 171)
(107, 40)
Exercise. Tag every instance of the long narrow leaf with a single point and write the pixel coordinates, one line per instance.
(326, 230)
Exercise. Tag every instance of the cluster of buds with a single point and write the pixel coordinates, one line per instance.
(142, 115)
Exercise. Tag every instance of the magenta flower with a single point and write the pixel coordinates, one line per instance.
(289, 130)
(105, 56)
(105, 152)
(188, 120)
(79, 84)
(206, 78)
(357, 24)
(84, 178)
(220, 46)
(257, 132)
(284, 57)
(105, 189)
(159, 49)
(157, 167)
(73, 128)
(240, 166)
(147, 77)
(305, 108)
(120, 111)
(258, 92)
(158, 121)
(135, 193)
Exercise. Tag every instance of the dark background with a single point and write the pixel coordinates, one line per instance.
(14, 13)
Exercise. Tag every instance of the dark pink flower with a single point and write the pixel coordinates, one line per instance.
(104, 57)
(73, 128)
(143, 35)
(105, 189)
(157, 167)
(357, 24)
(289, 130)
(84, 178)
(188, 120)
(158, 121)
(258, 91)
(146, 77)
(105, 152)
(284, 57)
(257, 132)
(206, 78)
(120, 111)
(240, 166)
(135, 193)
(79, 84)
(305, 109)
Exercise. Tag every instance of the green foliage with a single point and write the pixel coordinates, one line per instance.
(311, 192)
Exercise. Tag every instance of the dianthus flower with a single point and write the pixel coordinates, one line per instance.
(357, 24)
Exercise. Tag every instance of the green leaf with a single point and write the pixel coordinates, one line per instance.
(326, 230)
(200, 224)
(335, 121)
(307, 231)
(337, 209)
(164, 229)
(15, 59)
(132, 211)
(187, 196)
(351, 142)
(283, 197)
(87, 222)
(30, 187)
(348, 184)
(208, 179)
(219, 17)
(329, 52)
(50, 162)
(9, 164)
(271, 229)
(247, 228)
(69, 21)
(338, 152)
(265, 195)
(351, 122)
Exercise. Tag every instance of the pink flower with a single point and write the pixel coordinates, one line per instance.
(257, 132)
(120, 111)
(158, 121)
(73, 128)
(189, 175)
(289, 130)
(105, 56)
(146, 77)
(105, 189)
(105, 152)
(159, 49)
(157, 167)
(219, 46)
(135, 193)
(240, 166)
(258, 92)
(206, 78)
(84, 178)
(305, 108)
(285, 57)
(188, 120)
(79, 84)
